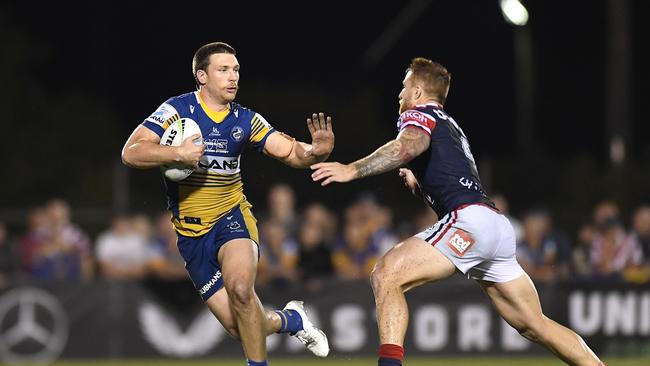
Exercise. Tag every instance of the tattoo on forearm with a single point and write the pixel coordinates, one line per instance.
(409, 144)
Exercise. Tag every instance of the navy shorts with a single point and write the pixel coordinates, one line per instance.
(200, 253)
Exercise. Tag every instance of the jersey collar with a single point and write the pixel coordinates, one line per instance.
(216, 116)
(434, 104)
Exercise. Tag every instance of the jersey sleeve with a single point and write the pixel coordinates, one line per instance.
(417, 119)
(260, 131)
(159, 120)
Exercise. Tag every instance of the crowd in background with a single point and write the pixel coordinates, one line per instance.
(314, 244)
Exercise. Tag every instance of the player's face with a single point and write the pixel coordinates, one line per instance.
(223, 76)
(407, 95)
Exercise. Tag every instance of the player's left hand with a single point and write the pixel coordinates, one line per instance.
(332, 172)
(322, 136)
(410, 181)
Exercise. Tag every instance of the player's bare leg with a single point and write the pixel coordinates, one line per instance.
(292, 319)
(219, 304)
(518, 303)
(407, 265)
(238, 260)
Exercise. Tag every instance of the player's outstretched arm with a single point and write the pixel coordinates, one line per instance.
(299, 154)
(143, 150)
(410, 143)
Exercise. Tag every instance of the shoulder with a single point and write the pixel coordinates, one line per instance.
(419, 114)
(174, 106)
(242, 113)
(183, 103)
(417, 117)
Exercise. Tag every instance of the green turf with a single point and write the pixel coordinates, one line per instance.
(358, 361)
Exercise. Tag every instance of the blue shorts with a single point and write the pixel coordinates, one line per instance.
(200, 253)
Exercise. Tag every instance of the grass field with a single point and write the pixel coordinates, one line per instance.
(432, 361)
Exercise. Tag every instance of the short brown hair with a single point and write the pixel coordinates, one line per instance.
(201, 58)
(433, 75)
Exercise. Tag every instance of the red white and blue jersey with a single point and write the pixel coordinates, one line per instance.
(446, 171)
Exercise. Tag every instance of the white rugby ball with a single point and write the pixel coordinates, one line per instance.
(174, 135)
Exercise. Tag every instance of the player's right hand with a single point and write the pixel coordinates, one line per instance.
(191, 150)
(410, 181)
(332, 172)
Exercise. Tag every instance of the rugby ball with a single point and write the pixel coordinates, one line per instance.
(174, 135)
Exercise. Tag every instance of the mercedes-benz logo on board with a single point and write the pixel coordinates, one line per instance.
(33, 326)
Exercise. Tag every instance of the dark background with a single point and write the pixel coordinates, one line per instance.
(77, 79)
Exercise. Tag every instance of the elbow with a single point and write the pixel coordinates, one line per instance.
(127, 159)
(294, 163)
(321, 158)
(408, 153)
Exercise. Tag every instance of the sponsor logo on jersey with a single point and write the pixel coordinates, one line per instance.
(220, 164)
(191, 109)
(216, 145)
(210, 283)
(237, 133)
(192, 220)
(215, 131)
(162, 114)
(470, 184)
(429, 199)
(460, 242)
(417, 116)
(235, 225)
(156, 117)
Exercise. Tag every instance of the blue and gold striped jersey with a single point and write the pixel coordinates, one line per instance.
(198, 201)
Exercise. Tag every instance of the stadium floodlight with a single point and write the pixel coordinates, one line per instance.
(514, 12)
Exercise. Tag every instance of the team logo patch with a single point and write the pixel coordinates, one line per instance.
(237, 133)
(234, 225)
(460, 242)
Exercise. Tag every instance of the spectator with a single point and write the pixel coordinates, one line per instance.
(8, 258)
(164, 260)
(54, 248)
(279, 254)
(33, 239)
(123, 251)
(582, 252)
(315, 256)
(540, 250)
(281, 207)
(640, 234)
(612, 250)
(142, 227)
(321, 216)
(641, 230)
(501, 203)
(378, 221)
(354, 257)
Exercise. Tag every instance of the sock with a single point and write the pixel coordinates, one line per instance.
(291, 321)
(390, 355)
(255, 363)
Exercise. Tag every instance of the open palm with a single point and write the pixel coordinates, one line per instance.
(322, 136)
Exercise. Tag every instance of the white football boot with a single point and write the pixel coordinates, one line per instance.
(312, 337)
